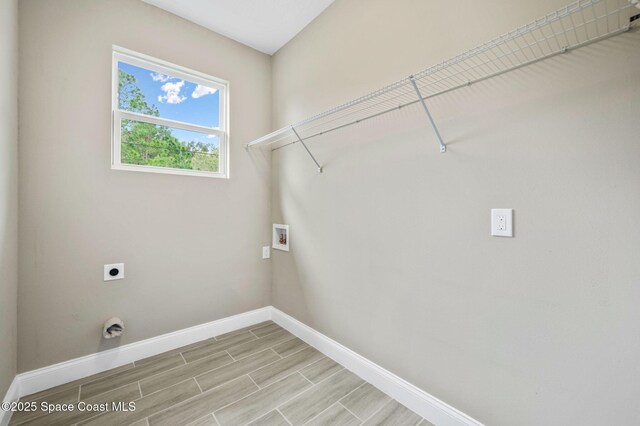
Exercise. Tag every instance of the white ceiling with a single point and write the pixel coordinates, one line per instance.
(265, 25)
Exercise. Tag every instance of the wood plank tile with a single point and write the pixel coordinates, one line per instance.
(205, 403)
(167, 354)
(148, 405)
(266, 329)
(272, 418)
(365, 401)
(47, 393)
(335, 415)
(205, 421)
(261, 402)
(321, 370)
(393, 414)
(217, 346)
(236, 369)
(125, 394)
(273, 372)
(63, 397)
(241, 330)
(290, 347)
(320, 397)
(261, 344)
(120, 379)
(425, 422)
(142, 422)
(184, 372)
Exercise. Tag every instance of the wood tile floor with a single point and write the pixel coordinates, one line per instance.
(260, 375)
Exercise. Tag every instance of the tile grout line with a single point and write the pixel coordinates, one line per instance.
(208, 341)
(329, 376)
(199, 387)
(165, 408)
(226, 365)
(378, 410)
(311, 387)
(298, 351)
(319, 414)
(352, 413)
(365, 382)
(254, 382)
(252, 393)
(314, 363)
(268, 347)
(309, 365)
(128, 383)
(283, 416)
(292, 372)
(186, 364)
(312, 384)
(274, 351)
(215, 418)
(303, 391)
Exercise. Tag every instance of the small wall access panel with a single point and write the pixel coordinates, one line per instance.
(280, 237)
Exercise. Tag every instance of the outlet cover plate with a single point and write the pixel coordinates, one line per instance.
(502, 222)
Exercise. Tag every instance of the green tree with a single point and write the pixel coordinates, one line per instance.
(205, 156)
(153, 145)
(131, 98)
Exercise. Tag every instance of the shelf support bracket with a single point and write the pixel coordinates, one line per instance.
(443, 147)
(308, 152)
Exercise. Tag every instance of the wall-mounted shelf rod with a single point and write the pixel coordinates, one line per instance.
(578, 24)
(307, 148)
(443, 147)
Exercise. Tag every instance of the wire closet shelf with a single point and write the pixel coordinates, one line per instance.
(577, 24)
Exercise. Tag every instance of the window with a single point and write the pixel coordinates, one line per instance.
(167, 119)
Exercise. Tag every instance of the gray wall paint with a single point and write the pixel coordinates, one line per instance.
(390, 250)
(191, 245)
(8, 190)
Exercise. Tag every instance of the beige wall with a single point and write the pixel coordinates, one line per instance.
(191, 245)
(391, 253)
(8, 190)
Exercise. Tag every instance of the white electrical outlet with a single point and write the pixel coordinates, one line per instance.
(502, 222)
(266, 252)
(114, 271)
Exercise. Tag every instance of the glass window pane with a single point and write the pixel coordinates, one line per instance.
(147, 92)
(149, 144)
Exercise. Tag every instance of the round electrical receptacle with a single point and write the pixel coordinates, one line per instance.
(114, 271)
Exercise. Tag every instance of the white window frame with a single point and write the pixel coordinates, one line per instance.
(152, 64)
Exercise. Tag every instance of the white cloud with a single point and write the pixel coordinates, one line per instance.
(211, 136)
(172, 93)
(200, 91)
(156, 76)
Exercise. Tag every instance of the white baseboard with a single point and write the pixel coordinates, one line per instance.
(68, 371)
(428, 406)
(13, 393)
(431, 408)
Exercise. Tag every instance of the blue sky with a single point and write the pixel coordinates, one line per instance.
(179, 100)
